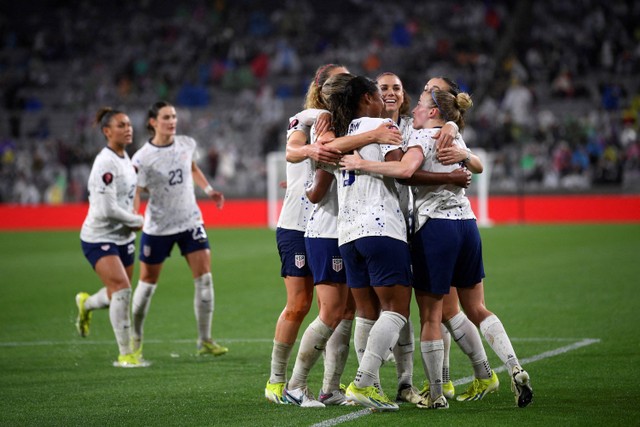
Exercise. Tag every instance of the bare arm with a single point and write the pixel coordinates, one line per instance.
(446, 135)
(298, 150)
(321, 183)
(383, 134)
(460, 177)
(201, 181)
(404, 168)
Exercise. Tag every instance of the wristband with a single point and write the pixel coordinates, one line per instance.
(208, 189)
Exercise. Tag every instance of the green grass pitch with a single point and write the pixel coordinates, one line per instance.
(567, 295)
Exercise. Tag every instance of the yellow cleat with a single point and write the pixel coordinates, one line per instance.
(479, 388)
(448, 389)
(212, 347)
(83, 320)
(273, 393)
(130, 361)
(370, 398)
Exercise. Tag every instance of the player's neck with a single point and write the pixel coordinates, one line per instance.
(162, 140)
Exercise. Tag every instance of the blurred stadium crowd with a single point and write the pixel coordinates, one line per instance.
(554, 82)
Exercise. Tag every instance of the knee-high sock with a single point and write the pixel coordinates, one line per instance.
(468, 338)
(497, 337)
(203, 303)
(98, 300)
(403, 353)
(446, 342)
(432, 352)
(280, 355)
(140, 307)
(312, 344)
(361, 335)
(120, 319)
(382, 338)
(336, 354)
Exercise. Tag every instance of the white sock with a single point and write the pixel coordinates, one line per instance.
(361, 335)
(336, 354)
(120, 319)
(382, 338)
(446, 342)
(98, 300)
(468, 338)
(312, 344)
(497, 337)
(203, 303)
(403, 352)
(432, 352)
(279, 360)
(140, 307)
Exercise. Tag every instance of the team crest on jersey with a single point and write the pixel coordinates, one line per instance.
(300, 260)
(105, 247)
(293, 123)
(107, 178)
(146, 250)
(337, 264)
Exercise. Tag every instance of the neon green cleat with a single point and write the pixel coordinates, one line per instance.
(370, 398)
(448, 389)
(84, 316)
(273, 393)
(212, 347)
(130, 361)
(438, 403)
(479, 388)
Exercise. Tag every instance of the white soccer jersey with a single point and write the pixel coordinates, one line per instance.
(438, 201)
(404, 192)
(112, 185)
(296, 208)
(368, 203)
(323, 222)
(165, 171)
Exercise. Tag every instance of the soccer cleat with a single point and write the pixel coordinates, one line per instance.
(130, 361)
(84, 316)
(448, 389)
(521, 386)
(335, 398)
(479, 388)
(301, 397)
(212, 347)
(273, 393)
(408, 393)
(369, 397)
(439, 403)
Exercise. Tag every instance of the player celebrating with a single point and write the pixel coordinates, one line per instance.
(107, 235)
(167, 170)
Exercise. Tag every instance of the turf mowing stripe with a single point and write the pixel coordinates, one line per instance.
(466, 380)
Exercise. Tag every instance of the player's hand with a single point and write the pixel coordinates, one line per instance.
(323, 153)
(217, 197)
(323, 123)
(451, 155)
(350, 162)
(386, 134)
(445, 136)
(461, 177)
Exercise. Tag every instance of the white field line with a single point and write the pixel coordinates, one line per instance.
(466, 380)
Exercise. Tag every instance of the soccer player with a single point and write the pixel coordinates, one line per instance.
(447, 248)
(290, 229)
(108, 233)
(167, 171)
